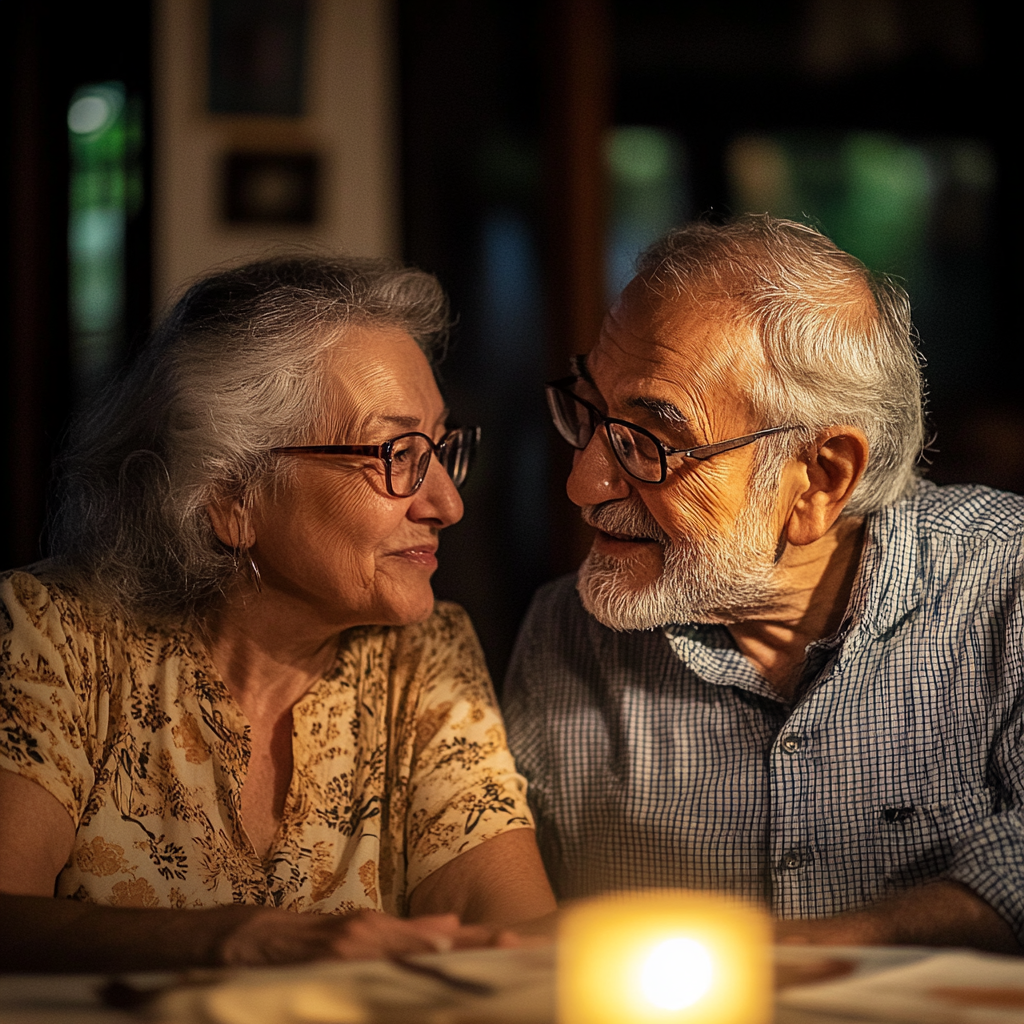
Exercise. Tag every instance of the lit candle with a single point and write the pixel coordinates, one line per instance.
(664, 957)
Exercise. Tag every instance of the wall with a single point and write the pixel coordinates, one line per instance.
(350, 123)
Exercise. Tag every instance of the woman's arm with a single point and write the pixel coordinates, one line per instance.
(499, 883)
(41, 933)
(36, 836)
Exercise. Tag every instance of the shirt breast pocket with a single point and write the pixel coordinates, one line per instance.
(917, 840)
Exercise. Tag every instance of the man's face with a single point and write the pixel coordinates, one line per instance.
(701, 546)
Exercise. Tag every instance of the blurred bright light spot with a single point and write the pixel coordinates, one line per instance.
(90, 113)
(677, 973)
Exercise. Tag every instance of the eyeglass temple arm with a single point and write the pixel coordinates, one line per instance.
(331, 449)
(710, 450)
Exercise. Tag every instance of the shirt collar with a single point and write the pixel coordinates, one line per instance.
(886, 589)
(888, 584)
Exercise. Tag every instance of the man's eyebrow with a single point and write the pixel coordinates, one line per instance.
(661, 408)
(664, 410)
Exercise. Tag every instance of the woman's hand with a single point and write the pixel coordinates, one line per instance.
(41, 933)
(278, 937)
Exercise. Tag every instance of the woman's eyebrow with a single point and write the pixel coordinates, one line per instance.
(400, 421)
(405, 422)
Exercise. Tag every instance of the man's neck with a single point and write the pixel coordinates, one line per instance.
(816, 583)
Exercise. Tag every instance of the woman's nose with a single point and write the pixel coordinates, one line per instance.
(596, 474)
(438, 501)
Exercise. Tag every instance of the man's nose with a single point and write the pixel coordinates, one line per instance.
(596, 475)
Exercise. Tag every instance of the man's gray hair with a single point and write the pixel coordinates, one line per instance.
(838, 340)
(234, 370)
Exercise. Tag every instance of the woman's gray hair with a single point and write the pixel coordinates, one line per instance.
(838, 341)
(234, 370)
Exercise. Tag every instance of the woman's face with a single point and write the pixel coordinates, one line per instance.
(330, 542)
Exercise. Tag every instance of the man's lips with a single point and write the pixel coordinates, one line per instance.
(606, 537)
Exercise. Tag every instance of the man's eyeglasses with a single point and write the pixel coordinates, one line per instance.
(406, 458)
(642, 455)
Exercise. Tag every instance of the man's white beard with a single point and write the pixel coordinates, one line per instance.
(716, 579)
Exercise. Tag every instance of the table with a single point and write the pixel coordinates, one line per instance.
(523, 991)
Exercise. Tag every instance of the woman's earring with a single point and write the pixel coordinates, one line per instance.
(254, 571)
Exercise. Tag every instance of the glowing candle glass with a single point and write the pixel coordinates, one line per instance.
(664, 957)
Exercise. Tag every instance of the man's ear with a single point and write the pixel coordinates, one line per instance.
(832, 468)
(231, 523)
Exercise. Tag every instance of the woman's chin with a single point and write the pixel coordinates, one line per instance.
(409, 609)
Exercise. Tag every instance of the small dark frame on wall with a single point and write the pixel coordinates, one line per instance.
(271, 188)
(258, 57)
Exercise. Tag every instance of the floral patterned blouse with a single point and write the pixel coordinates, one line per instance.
(400, 759)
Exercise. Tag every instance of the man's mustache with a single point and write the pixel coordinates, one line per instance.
(628, 516)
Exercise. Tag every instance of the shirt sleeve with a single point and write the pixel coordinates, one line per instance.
(463, 788)
(988, 857)
(46, 729)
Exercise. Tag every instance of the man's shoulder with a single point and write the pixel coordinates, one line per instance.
(555, 639)
(561, 646)
(969, 511)
(555, 613)
(558, 594)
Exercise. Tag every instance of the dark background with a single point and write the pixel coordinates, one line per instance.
(505, 113)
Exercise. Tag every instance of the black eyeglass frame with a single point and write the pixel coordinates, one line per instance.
(470, 440)
(700, 452)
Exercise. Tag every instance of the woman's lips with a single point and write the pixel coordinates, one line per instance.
(424, 555)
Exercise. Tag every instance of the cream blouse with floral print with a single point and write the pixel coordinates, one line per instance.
(400, 760)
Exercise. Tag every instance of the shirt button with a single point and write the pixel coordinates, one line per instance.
(791, 860)
(792, 743)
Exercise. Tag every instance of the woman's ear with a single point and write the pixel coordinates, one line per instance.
(231, 523)
(833, 465)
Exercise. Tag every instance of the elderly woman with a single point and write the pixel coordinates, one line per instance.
(229, 694)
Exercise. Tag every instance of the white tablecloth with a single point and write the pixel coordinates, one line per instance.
(905, 985)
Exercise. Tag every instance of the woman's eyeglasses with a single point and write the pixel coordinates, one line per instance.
(643, 456)
(406, 458)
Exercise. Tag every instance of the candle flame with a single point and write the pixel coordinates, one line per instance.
(677, 973)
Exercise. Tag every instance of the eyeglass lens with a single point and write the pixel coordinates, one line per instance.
(636, 450)
(409, 459)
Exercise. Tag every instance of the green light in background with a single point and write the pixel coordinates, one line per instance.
(639, 156)
(646, 170)
(871, 192)
(105, 188)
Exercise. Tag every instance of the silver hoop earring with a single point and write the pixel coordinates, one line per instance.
(254, 571)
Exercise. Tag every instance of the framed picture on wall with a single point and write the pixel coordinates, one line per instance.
(271, 188)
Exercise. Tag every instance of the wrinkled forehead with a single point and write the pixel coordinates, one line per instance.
(694, 341)
(378, 380)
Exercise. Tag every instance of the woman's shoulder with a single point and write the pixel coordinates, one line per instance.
(47, 601)
(40, 592)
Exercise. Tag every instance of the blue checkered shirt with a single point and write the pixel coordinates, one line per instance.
(663, 758)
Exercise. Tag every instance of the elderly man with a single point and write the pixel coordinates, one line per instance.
(788, 668)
